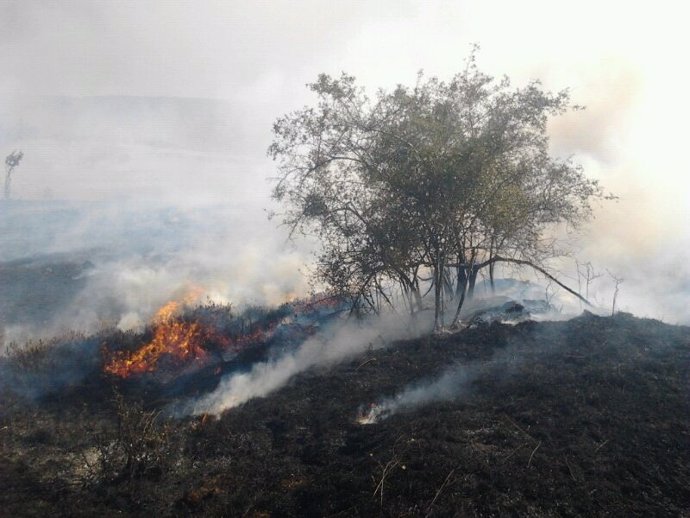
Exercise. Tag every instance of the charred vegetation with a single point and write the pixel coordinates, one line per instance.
(583, 417)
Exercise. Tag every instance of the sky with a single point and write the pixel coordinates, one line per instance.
(174, 100)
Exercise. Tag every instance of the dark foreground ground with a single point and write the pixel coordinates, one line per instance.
(589, 417)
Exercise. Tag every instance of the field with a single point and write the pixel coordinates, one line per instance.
(587, 417)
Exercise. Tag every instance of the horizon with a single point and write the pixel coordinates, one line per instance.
(173, 106)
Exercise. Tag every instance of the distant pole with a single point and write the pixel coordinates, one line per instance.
(11, 161)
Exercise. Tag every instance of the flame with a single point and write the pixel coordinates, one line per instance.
(178, 340)
(181, 342)
(371, 416)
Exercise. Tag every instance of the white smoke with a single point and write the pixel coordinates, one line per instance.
(101, 265)
(453, 383)
(450, 385)
(333, 345)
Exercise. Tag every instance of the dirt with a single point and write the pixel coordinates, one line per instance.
(589, 417)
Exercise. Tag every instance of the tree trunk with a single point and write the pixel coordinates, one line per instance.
(491, 278)
(461, 300)
(473, 279)
(462, 281)
(417, 297)
(491, 268)
(437, 303)
(438, 291)
(8, 180)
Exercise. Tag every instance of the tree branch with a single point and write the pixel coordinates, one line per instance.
(541, 270)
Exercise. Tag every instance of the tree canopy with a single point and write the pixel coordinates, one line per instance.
(422, 187)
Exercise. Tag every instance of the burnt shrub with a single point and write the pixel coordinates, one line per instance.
(137, 445)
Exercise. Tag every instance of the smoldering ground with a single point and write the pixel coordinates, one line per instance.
(337, 342)
(458, 381)
(345, 339)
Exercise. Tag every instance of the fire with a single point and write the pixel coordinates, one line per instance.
(372, 415)
(178, 340)
(240, 342)
(181, 343)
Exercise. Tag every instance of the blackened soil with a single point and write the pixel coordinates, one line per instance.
(589, 417)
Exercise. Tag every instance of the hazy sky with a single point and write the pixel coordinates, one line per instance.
(626, 63)
(247, 63)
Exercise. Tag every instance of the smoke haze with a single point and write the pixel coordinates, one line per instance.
(144, 134)
(92, 265)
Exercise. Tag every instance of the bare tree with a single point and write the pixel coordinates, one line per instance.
(11, 161)
(617, 281)
(586, 272)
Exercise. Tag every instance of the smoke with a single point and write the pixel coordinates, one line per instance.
(456, 381)
(158, 117)
(452, 384)
(343, 340)
(87, 266)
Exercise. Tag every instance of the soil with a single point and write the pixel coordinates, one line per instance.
(587, 417)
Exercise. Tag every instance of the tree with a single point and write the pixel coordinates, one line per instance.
(423, 187)
(11, 161)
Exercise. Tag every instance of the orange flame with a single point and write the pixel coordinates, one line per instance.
(181, 341)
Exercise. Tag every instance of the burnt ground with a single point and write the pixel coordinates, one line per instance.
(32, 289)
(589, 417)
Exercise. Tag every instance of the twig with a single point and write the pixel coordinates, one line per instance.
(386, 469)
(541, 270)
(514, 451)
(431, 505)
(533, 452)
(572, 475)
(617, 282)
(365, 363)
(601, 446)
(519, 428)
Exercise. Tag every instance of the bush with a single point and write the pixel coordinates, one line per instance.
(136, 447)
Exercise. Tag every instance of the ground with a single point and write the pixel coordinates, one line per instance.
(587, 417)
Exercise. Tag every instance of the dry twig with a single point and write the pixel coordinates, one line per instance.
(365, 363)
(601, 446)
(391, 464)
(519, 428)
(533, 452)
(445, 482)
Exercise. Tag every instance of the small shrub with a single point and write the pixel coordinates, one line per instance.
(136, 447)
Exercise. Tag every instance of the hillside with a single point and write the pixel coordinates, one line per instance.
(588, 417)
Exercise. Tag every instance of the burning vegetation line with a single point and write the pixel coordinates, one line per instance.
(177, 339)
(185, 341)
(206, 334)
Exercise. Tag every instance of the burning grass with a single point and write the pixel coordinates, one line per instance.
(193, 339)
(177, 340)
(591, 421)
